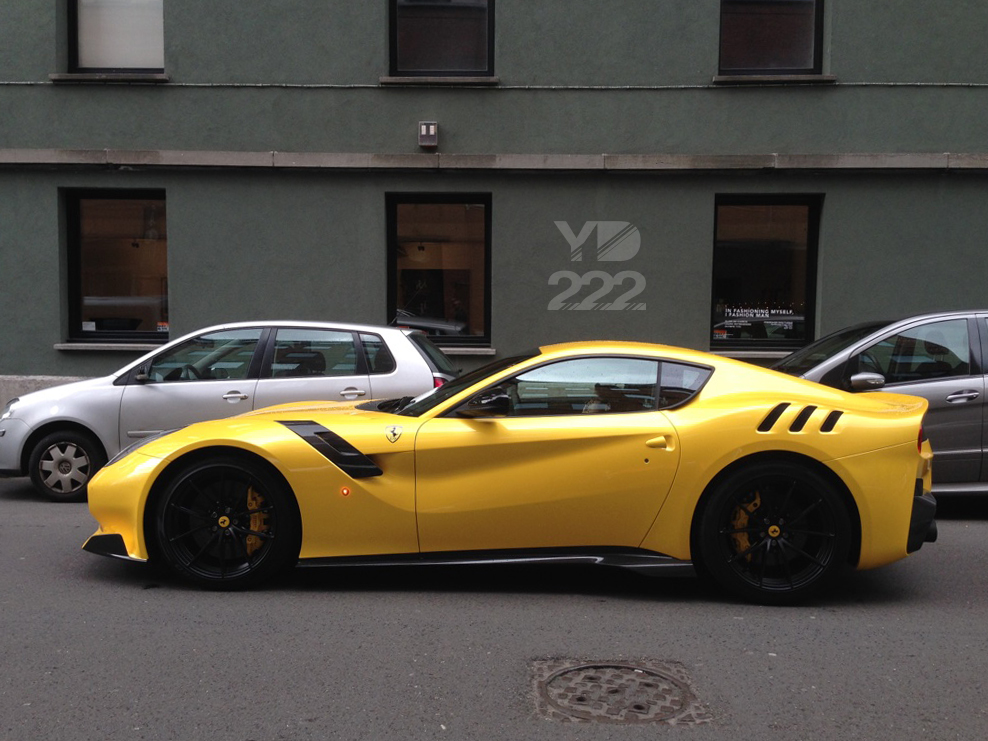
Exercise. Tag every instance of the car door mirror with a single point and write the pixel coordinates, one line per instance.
(867, 381)
(491, 403)
(142, 375)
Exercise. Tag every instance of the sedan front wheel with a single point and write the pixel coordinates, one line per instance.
(62, 463)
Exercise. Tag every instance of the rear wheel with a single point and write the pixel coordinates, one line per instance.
(62, 463)
(226, 523)
(774, 533)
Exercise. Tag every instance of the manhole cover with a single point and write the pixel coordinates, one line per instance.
(616, 692)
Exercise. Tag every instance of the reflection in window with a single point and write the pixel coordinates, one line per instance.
(442, 37)
(439, 267)
(770, 36)
(764, 271)
(936, 350)
(585, 386)
(314, 352)
(118, 35)
(218, 355)
(119, 259)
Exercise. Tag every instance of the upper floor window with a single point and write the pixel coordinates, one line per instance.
(771, 37)
(764, 271)
(118, 265)
(439, 264)
(442, 38)
(116, 35)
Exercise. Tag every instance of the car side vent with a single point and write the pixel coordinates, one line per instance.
(341, 453)
(831, 421)
(802, 418)
(772, 417)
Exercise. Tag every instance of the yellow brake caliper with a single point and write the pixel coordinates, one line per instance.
(258, 520)
(740, 521)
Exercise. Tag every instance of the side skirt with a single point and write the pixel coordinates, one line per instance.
(643, 562)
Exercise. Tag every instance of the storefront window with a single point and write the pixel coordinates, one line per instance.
(764, 271)
(439, 265)
(118, 258)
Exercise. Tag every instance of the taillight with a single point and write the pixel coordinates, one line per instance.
(438, 381)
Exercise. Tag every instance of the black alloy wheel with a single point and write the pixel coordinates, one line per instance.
(774, 533)
(62, 463)
(226, 523)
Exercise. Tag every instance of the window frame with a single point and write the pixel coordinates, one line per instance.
(396, 73)
(72, 200)
(392, 202)
(814, 203)
(74, 68)
(815, 71)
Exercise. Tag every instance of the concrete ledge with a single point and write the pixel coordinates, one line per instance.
(645, 162)
(12, 386)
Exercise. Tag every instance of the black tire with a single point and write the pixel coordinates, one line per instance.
(62, 463)
(226, 523)
(774, 533)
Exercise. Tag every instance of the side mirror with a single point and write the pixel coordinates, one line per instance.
(867, 381)
(491, 403)
(142, 375)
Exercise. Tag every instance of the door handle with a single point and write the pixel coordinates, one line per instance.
(965, 395)
(662, 442)
(233, 396)
(347, 393)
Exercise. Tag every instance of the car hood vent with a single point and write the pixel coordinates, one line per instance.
(800, 420)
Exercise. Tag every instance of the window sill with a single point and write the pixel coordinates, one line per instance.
(774, 79)
(464, 351)
(486, 80)
(105, 346)
(104, 78)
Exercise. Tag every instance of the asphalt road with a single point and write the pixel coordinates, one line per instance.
(100, 649)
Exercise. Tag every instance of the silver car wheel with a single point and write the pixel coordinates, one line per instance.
(65, 468)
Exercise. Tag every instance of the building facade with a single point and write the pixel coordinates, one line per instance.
(739, 176)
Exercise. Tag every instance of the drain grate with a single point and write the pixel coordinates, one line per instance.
(616, 692)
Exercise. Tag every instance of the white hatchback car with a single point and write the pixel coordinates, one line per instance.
(61, 436)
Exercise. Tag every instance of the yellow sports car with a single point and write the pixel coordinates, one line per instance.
(640, 456)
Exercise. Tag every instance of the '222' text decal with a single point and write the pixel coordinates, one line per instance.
(617, 241)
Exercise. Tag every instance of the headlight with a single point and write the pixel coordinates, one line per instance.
(139, 444)
(9, 408)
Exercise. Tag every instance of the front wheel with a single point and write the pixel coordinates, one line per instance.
(226, 523)
(774, 533)
(62, 463)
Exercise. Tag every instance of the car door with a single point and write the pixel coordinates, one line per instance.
(312, 364)
(209, 376)
(581, 457)
(940, 361)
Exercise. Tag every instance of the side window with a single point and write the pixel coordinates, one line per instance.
(313, 352)
(585, 386)
(936, 350)
(679, 382)
(377, 354)
(213, 356)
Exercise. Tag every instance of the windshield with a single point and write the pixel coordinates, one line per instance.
(813, 354)
(431, 399)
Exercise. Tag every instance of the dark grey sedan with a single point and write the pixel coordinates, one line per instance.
(941, 357)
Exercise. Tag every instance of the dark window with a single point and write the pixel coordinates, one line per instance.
(118, 265)
(771, 37)
(764, 271)
(116, 35)
(376, 353)
(439, 265)
(930, 351)
(442, 37)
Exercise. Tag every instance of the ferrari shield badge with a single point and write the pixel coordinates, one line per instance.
(393, 432)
